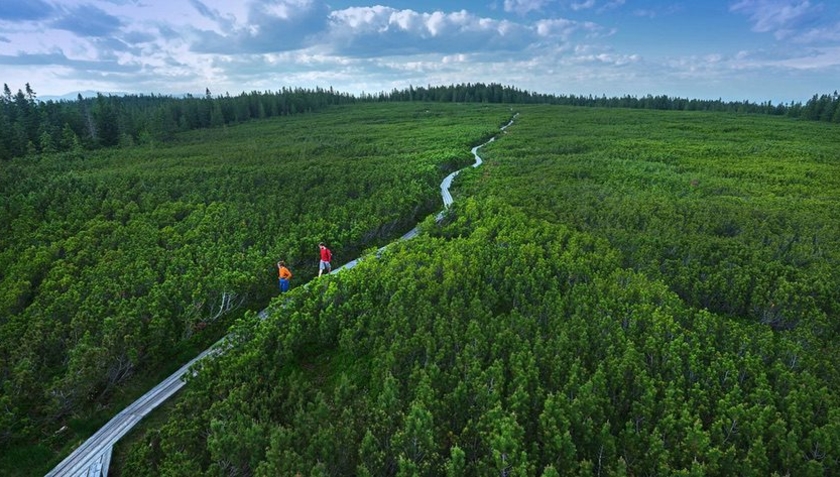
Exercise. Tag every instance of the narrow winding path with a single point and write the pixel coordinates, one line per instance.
(93, 457)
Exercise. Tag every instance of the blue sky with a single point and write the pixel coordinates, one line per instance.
(756, 50)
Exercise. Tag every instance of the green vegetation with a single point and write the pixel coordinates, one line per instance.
(734, 213)
(29, 127)
(614, 292)
(115, 262)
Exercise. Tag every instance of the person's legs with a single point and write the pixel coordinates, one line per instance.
(284, 285)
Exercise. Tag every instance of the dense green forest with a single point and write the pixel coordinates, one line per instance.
(29, 126)
(613, 293)
(111, 262)
(733, 212)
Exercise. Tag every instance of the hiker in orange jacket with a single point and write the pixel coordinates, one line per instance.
(285, 275)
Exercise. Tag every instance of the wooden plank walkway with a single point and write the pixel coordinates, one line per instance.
(93, 457)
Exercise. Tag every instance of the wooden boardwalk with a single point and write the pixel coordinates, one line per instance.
(93, 457)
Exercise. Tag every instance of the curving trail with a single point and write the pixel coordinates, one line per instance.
(93, 457)
(444, 193)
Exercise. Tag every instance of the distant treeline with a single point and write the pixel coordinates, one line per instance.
(29, 126)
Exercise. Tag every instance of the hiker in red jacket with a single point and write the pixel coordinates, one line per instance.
(326, 257)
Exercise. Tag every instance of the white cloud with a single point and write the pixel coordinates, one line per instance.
(382, 31)
(557, 27)
(658, 12)
(287, 9)
(610, 59)
(563, 29)
(813, 59)
(379, 19)
(591, 4)
(781, 17)
(583, 5)
(824, 34)
(522, 7)
(756, 63)
(612, 5)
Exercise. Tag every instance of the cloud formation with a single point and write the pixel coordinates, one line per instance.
(781, 17)
(521, 7)
(608, 47)
(270, 27)
(384, 31)
(87, 21)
